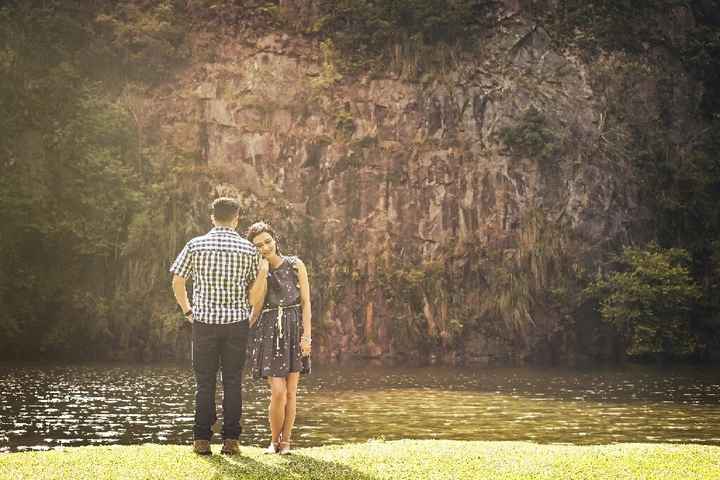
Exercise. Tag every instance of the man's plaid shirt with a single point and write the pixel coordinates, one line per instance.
(222, 266)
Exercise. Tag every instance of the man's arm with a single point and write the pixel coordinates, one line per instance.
(258, 290)
(181, 296)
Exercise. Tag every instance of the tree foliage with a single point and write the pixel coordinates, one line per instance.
(71, 184)
(649, 299)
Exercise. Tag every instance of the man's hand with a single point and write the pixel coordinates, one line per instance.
(186, 322)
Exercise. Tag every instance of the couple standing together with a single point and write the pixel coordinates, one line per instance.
(241, 285)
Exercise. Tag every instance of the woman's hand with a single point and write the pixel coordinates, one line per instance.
(305, 345)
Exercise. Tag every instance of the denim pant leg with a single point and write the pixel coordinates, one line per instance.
(232, 356)
(205, 367)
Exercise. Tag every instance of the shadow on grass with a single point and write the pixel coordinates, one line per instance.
(291, 466)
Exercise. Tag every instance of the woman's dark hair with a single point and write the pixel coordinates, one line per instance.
(225, 209)
(261, 227)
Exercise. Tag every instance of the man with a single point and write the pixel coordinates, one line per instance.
(223, 267)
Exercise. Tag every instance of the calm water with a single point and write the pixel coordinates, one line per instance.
(49, 407)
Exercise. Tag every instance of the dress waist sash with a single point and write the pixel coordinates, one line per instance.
(278, 324)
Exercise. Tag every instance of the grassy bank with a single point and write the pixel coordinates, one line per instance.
(405, 459)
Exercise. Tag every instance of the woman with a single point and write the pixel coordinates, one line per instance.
(282, 331)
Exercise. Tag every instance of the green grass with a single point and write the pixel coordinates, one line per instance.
(404, 459)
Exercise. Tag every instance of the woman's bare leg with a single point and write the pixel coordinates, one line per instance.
(290, 405)
(278, 396)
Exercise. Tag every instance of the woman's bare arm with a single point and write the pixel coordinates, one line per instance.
(305, 305)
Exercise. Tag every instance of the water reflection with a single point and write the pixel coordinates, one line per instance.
(45, 407)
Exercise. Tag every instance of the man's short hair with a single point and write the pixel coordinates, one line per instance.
(225, 209)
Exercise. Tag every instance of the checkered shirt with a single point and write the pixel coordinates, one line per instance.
(222, 266)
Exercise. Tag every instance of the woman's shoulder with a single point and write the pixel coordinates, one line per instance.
(292, 260)
(294, 263)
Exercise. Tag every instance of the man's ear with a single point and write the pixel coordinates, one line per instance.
(212, 218)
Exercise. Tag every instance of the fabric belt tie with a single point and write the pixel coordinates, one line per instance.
(278, 323)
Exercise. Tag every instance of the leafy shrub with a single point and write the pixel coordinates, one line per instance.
(648, 299)
(532, 137)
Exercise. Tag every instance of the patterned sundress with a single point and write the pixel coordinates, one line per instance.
(275, 350)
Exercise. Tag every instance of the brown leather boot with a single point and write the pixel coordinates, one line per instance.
(230, 447)
(202, 447)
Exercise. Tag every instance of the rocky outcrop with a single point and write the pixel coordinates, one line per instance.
(418, 201)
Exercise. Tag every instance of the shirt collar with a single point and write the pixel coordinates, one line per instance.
(223, 230)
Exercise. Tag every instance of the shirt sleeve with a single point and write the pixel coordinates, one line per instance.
(254, 267)
(182, 266)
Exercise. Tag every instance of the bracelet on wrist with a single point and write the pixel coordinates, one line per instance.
(188, 313)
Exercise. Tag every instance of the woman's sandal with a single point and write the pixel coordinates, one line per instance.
(272, 448)
(284, 448)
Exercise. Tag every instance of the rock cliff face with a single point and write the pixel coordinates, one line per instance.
(438, 211)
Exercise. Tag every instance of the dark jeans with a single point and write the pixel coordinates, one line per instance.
(218, 347)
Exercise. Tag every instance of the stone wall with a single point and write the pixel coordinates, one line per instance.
(389, 170)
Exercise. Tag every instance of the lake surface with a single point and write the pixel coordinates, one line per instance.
(50, 407)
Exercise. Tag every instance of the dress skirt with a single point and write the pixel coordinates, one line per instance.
(275, 344)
